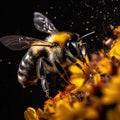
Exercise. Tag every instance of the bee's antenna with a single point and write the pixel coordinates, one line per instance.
(87, 34)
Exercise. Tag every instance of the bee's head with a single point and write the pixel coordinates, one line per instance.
(76, 46)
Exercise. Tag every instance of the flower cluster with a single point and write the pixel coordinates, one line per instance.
(94, 94)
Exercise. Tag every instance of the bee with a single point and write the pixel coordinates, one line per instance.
(45, 56)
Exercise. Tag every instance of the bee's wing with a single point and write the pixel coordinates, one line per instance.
(16, 42)
(43, 24)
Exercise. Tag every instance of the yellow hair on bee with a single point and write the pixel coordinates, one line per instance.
(36, 49)
(60, 38)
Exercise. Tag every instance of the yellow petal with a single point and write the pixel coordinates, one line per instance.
(91, 113)
(107, 100)
(116, 81)
(30, 114)
(111, 95)
(104, 66)
(97, 78)
(40, 113)
(49, 107)
(77, 81)
(102, 53)
(77, 106)
(75, 70)
(115, 50)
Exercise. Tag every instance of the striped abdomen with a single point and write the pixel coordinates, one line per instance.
(27, 69)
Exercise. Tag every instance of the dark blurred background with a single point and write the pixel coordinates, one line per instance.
(16, 17)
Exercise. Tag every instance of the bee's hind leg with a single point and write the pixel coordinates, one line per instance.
(42, 76)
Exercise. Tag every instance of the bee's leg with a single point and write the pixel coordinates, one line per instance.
(62, 72)
(42, 76)
(45, 87)
(73, 60)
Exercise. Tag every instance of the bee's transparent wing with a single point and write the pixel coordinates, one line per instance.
(16, 42)
(43, 24)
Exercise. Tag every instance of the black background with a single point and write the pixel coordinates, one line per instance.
(16, 17)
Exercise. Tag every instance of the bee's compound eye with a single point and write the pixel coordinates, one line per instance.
(75, 37)
(72, 46)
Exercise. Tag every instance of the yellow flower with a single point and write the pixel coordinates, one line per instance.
(78, 75)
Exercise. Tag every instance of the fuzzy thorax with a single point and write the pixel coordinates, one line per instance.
(61, 38)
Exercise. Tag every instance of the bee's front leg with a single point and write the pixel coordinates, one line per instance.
(45, 87)
(73, 60)
(42, 76)
(61, 71)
